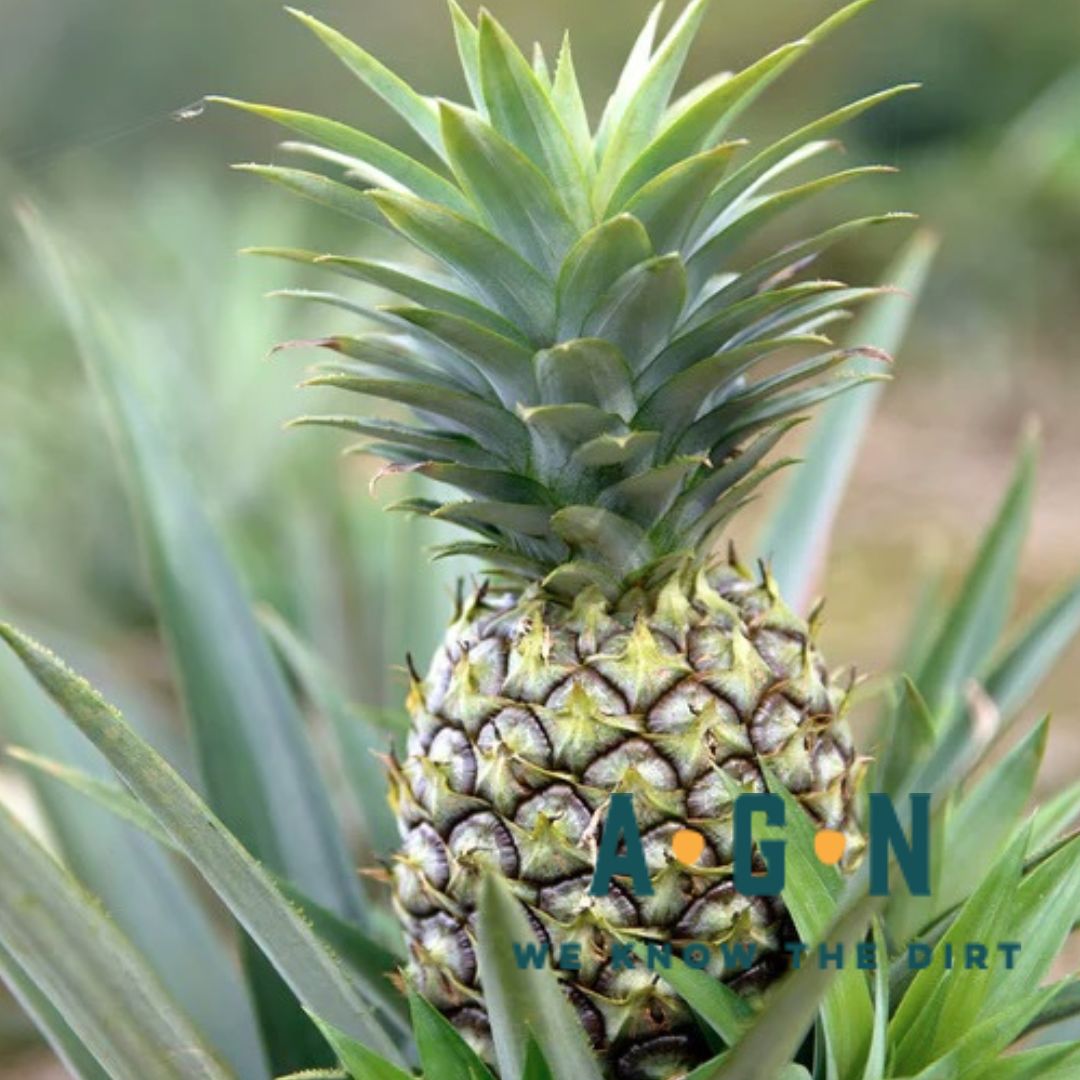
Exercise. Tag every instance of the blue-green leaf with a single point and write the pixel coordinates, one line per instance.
(812, 895)
(494, 272)
(322, 190)
(145, 893)
(1034, 651)
(242, 884)
(255, 757)
(596, 262)
(67, 1046)
(795, 539)
(520, 1002)
(1058, 1062)
(982, 819)
(570, 107)
(468, 45)
(937, 1007)
(771, 1042)
(359, 1060)
(645, 106)
(75, 955)
(444, 1054)
(879, 1043)
(637, 63)
(379, 164)
(510, 192)
(357, 741)
(978, 614)
(701, 123)
(419, 112)
(640, 309)
(522, 111)
(718, 1005)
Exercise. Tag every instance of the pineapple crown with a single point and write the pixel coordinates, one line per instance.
(583, 366)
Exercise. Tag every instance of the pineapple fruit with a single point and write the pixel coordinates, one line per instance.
(581, 353)
(535, 711)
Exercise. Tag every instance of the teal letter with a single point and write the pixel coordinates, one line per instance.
(659, 954)
(697, 956)
(886, 832)
(621, 825)
(866, 956)
(622, 956)
(771, 883)
(570, 956)
(1010, 949)
(530, 955)
(738, 956)
(919, 955)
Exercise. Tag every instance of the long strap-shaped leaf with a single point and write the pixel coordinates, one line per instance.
(496, 274)
(773, 1039)
(633, 71)
(1033, 653)
(468, 44)
(758, 166)
(710, 116)
(418, 111)
(333, 194)
(443, 1051)
(713, 254)
(258, 766)
(796, 537)
(421, 286)
(255, 757)
(976, 618)
(492, 427)
(150, 898)
(645, 108)
(73, 953)
(515, 197)
(357, 740)
(67, 1046)
(364, 959)
(524, 1002)
(241, 883)
(522, 112)
(812, 895)
(383, 165)
(692, 131)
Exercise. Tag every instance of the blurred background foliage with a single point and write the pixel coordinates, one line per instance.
(990, 153)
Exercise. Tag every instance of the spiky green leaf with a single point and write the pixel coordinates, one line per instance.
(524, 1002)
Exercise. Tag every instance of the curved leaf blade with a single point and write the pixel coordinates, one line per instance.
(67, 1046)
(1031, 656)
(146, 894)
(443, 1052)
(241, 883)
(520, 1002)
(419, 112)
(796, 536)
(63, 941)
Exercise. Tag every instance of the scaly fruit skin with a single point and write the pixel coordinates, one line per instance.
(533, 713)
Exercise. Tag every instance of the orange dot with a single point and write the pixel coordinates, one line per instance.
(829, 846)
(688, 846)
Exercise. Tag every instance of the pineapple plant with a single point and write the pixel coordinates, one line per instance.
(603, 388)
(584, 369)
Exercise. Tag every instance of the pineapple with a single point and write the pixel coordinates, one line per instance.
(581, 352)
(535, 710)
